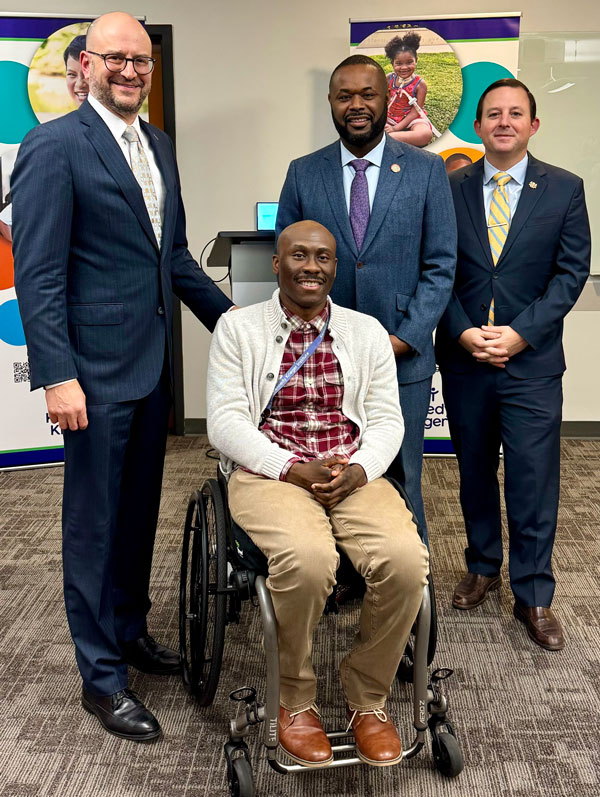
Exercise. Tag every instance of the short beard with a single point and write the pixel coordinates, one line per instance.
(103, 93)
(361, 139)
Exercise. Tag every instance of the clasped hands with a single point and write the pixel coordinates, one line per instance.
(492, 345)
(328, 480)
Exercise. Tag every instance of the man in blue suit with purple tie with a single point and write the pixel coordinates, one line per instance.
(388, 205)
(99, 250)
(523, 259)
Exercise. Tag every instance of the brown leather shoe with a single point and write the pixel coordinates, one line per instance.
(302, 738)
(377, 740)
(473, 590)
(542, 626)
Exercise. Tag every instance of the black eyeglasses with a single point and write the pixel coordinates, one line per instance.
(114, 62)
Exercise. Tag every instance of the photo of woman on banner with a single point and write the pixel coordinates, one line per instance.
(77, 85)
(55, 83)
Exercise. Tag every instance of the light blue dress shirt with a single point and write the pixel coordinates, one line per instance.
(513, 187)
(375, 156)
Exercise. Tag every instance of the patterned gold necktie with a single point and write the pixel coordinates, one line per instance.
(141, 170)
(498, 224)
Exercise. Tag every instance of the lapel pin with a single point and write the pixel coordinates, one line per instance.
(395, 168)
(532, 184)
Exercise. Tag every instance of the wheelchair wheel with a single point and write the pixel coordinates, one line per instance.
(447, 755)
(203, 592)
(239, 770)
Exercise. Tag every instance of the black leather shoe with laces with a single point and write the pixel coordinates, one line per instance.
(123, 714)
(147, 655)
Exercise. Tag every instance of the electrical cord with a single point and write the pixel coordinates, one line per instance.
(206, 245)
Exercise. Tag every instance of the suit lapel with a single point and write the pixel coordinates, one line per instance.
(387, 186)
(113, 159)
(533, 188)
(333, 178)
(472, 188)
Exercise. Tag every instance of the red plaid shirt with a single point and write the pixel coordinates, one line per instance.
(306, 416)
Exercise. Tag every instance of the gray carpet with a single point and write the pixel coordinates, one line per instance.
(527, 719)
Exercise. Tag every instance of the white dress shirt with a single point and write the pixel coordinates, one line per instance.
(117, 126)
(513, 187)
(375, 156)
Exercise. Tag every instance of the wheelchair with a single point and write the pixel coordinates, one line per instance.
(220, 568)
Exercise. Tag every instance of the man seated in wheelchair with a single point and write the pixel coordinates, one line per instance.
(303, 407)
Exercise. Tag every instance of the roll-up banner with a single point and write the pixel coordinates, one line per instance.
(457, 57)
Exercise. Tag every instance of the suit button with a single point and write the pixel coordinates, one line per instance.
(494, 276)
(483, 307)
(270, 376)
(359, 265)
(278, 339)
(161, 311)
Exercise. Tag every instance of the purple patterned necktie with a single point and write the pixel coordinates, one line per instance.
(360, 209)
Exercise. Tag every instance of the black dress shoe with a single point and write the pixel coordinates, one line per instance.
(123, 714)
(146, 655)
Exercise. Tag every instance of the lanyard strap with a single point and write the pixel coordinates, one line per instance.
(296, 367)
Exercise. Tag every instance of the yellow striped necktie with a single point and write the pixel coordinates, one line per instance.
(498, 224)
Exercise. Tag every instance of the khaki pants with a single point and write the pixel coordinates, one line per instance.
(298, 536)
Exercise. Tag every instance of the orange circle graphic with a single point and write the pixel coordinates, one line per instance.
(7, 275)
(474, 154)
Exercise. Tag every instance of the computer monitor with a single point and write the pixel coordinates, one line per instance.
(266, 214)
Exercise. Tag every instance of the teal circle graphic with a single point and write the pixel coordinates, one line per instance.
(11, 328)
(16, 114)
(476, 78)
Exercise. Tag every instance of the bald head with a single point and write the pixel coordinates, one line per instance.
(115, 24)
(305, 265)
(122, 92)
(305, 230)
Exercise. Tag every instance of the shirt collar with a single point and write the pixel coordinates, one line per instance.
(115, 124)
(318, 322)
(375, 156)
(517, 172)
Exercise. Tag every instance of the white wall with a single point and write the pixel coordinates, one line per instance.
(250, 92)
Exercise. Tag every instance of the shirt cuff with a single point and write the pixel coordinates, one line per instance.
(287, 466)
(57, 384)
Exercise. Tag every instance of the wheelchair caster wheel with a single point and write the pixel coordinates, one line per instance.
(447, 755)
(239, 770)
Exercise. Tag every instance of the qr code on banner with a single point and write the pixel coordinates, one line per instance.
(21, 372)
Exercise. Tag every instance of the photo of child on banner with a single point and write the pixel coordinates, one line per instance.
(422, 103)
(407, 117)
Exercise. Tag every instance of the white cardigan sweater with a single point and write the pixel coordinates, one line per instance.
(243, 368)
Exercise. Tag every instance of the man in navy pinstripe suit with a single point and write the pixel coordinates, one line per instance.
(99, 250)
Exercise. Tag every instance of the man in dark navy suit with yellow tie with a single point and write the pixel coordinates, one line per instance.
(99, 250)
(523, 259)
